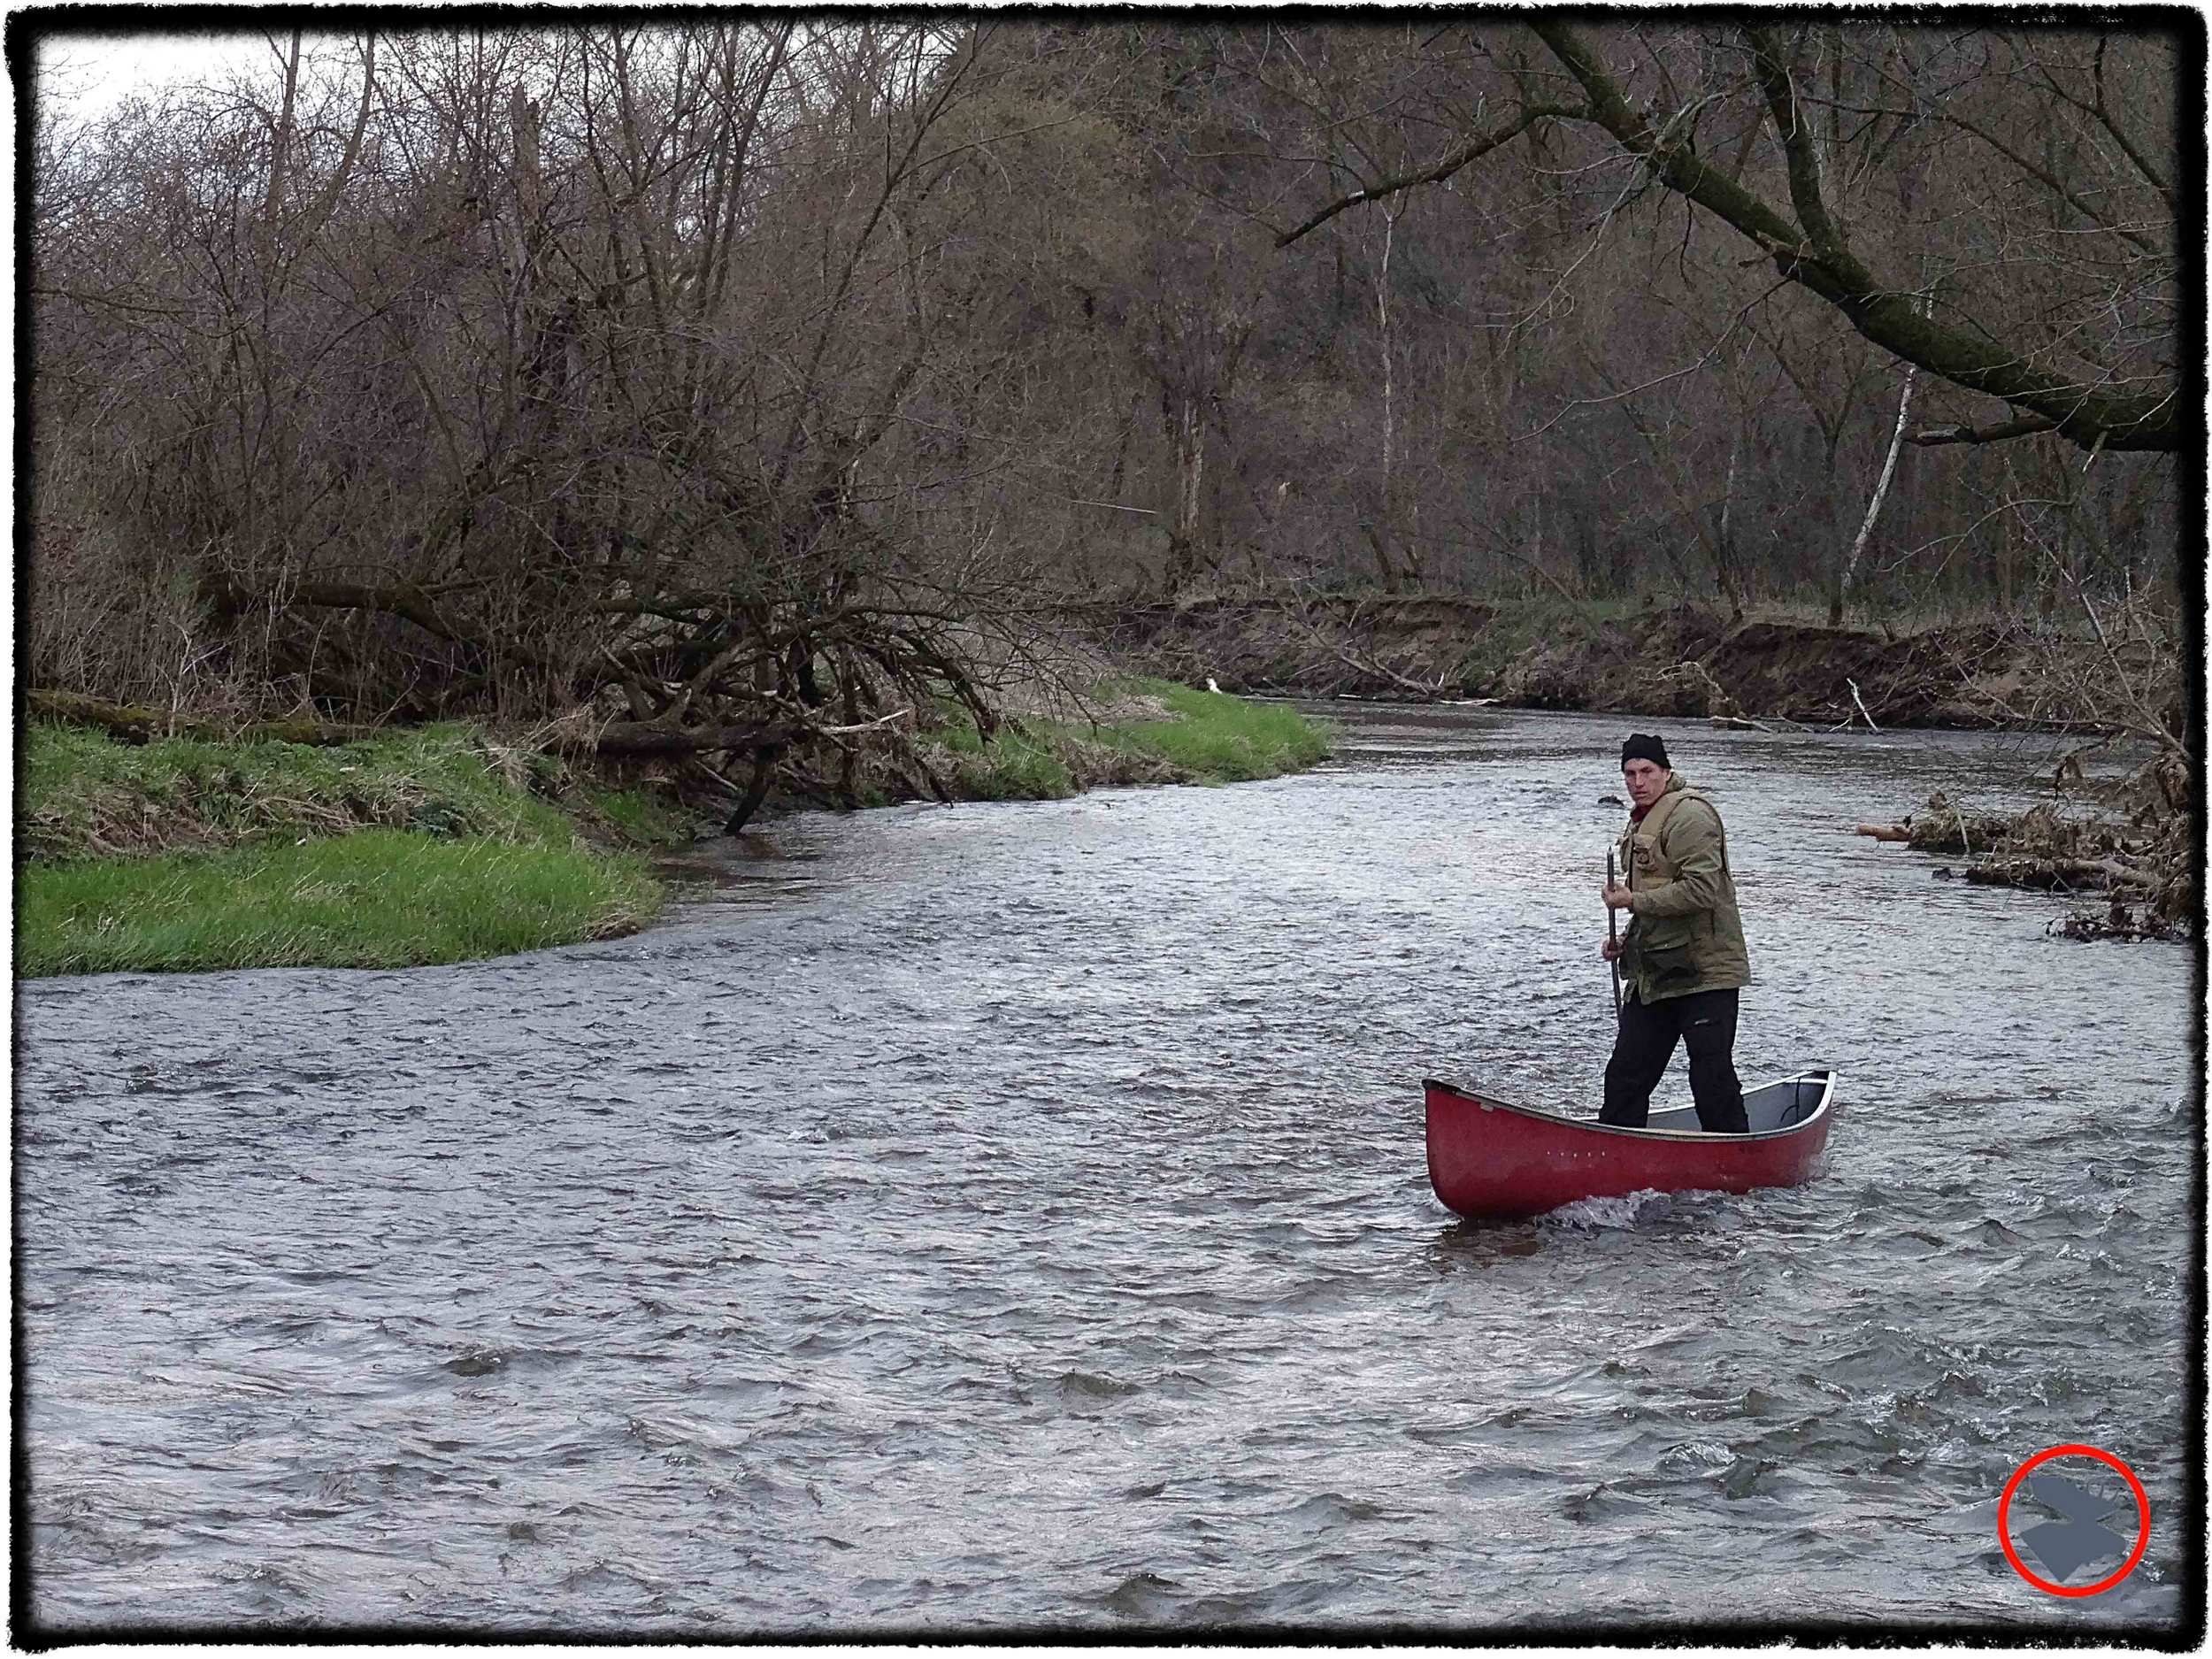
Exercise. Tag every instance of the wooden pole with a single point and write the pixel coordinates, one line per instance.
(1612, 931)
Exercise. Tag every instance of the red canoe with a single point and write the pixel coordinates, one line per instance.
(1490, 1161)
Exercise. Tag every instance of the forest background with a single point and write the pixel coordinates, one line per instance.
(715, 387)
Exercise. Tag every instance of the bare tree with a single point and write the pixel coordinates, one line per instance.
(2101, 368)
(550, 372)
(682, 379)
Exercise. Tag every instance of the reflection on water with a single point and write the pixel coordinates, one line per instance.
(1017, 1218)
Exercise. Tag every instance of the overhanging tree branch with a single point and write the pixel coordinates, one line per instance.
(1472, 151)
(2022, 427)
(1777, 84)
(2110, 123)
(1883, 313)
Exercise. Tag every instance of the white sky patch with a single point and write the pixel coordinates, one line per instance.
(92, 73)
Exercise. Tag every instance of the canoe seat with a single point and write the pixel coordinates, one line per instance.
(1802, 1101)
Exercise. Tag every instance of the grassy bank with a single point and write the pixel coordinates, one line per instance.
(430, 846)
(1140, 732)
(1214, 738)
(441, 845)
(375, 899)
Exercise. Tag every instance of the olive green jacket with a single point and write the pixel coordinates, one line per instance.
(1683, 935)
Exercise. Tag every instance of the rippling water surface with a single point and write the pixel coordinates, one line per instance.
(1015, 1217)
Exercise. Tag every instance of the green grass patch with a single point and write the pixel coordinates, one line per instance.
(375, 899)
(1013, 765)
(642, 816)
(83, 792)
(1216, 738)
(432, 845)
(1208, 737)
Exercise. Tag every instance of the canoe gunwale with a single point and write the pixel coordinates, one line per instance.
(1814, 1119)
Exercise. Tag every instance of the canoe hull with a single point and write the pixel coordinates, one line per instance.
(1492, 1160)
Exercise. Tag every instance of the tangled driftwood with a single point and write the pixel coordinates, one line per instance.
(2142, 862)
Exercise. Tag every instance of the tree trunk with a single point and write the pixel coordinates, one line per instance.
(1725, 546)
(133, 723)
(1380, 533)
(756, 792)
(1186, 434)
(1874, 506)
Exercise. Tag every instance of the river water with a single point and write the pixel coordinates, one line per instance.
(1014, 1217)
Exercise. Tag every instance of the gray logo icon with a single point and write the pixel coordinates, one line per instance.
(2068, 1545)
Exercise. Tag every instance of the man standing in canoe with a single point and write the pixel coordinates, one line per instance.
(1683, 958)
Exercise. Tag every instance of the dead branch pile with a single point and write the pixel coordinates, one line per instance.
(622, 409)
(2138, 849)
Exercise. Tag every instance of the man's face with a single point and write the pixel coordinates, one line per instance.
(1645, 781)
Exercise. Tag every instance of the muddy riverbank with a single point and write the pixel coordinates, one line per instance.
(2132, 842)
(1655, 660)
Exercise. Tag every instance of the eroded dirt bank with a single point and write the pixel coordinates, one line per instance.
(1662, 661)
(2135, 846)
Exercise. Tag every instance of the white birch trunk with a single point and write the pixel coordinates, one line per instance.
(1881, 489)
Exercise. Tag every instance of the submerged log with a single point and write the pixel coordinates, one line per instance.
(755, 791)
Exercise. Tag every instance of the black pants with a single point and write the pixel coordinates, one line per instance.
(1705, 1023)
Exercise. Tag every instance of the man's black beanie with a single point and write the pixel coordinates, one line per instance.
(1645, 746)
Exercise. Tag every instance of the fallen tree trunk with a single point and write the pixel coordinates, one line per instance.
(630, 738)
(134, 723)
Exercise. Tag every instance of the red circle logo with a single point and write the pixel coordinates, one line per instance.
(2142, 1510)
